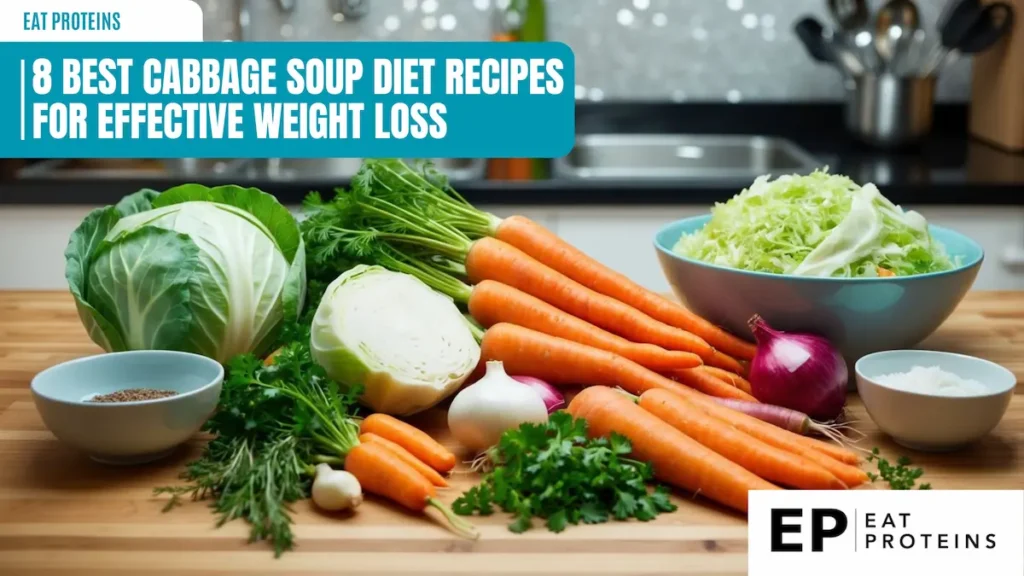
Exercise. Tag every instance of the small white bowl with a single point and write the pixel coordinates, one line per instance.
(929, 422)
(128, 432)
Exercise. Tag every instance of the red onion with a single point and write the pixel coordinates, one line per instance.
(798, 371)
(552, 398)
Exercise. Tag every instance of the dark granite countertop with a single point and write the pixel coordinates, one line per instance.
(947, 168)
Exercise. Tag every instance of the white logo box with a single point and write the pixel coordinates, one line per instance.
(898, 532)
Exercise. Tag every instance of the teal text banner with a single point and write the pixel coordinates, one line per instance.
(287, 99)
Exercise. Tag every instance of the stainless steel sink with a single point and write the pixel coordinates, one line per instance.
(681, 156)
(290, 169)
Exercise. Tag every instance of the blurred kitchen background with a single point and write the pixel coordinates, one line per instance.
(680, 104)
(660, 50)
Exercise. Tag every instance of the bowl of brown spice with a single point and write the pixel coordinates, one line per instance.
(128, 407)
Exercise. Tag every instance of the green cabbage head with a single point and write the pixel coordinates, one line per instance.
(214, 271)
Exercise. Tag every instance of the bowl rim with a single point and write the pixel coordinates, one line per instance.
(822, 279)
(861, 377)
(187, 356)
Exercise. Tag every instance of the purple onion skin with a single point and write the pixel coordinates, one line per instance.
(802, 372)
(553, 399)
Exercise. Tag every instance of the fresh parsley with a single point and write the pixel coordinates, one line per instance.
(272, 425)
(555, 472)
(900, 477)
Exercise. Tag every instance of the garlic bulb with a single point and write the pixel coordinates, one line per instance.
(483, 411)
(335, 490)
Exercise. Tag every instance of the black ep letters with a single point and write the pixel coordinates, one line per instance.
(818, 531)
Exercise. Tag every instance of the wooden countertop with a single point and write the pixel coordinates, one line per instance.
(60, 513)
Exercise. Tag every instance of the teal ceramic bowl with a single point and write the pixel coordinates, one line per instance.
(859, 315)
(128, 432)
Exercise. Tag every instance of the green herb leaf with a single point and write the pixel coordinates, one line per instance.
(557, 521)
(899, 477)
(555, 472)
(272, 425)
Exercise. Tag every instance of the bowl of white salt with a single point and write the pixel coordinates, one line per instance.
(933, 401)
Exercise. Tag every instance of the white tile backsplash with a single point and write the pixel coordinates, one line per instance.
(678, 50)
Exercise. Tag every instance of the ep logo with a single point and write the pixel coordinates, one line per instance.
(821, 523)
(840, 532)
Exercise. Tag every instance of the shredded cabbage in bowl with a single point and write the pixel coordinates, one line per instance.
(821, 225)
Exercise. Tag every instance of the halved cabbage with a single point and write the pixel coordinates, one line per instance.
(408, 346)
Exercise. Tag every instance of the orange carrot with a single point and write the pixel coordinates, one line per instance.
(782, 439)
(491, 259)
(561, 361)
(734, 379)
(269, 360)
(702, 380)
(677, 458)
(768, 462)
(383, 473)
(546, 247)
(416, 441)
(493, 302)
(727, 363)
(407, 457)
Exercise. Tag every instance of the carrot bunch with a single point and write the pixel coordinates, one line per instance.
(397, 461)
(693, 441)
(552, 312)
(516, 271)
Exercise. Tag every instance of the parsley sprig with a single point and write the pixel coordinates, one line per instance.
(554, 472)
(900, 477)
(272, 425)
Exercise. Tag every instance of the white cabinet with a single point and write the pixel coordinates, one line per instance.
(32, 244)
(622, 237)
(999, 230)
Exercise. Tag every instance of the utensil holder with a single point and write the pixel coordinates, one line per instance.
(997, 89)
(889, 111)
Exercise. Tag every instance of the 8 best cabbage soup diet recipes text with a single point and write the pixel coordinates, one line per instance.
(336, 82)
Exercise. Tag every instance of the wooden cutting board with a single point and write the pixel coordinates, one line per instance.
(61, 513)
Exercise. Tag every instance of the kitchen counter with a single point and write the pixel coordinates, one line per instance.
(60, 513)
(949, 168)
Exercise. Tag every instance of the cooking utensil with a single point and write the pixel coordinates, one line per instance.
(970, 28)
(847, 56)
(850, 15)
(890, 111)
(812, 35)
(827, 48)
(896, 22)
(910, 61)
(995, 20)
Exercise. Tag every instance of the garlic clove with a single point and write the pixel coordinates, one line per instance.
(335, 490)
